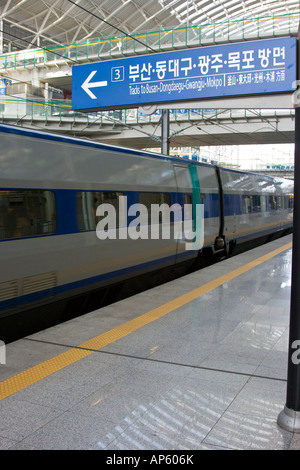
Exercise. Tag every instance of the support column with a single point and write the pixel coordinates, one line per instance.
(165, 130)
(289, 418)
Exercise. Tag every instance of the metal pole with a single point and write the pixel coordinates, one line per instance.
(165, 129)
(289, 418)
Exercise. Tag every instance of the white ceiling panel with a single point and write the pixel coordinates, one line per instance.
(32, 23)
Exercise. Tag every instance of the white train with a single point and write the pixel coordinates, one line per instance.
(50, 189)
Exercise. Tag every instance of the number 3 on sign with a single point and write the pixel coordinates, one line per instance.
(117, 74)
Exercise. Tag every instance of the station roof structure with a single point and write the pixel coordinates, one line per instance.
(29, 24)
(41, 40)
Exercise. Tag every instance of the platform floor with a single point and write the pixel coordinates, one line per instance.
(197, 363)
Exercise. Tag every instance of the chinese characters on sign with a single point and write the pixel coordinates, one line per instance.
(256, 67)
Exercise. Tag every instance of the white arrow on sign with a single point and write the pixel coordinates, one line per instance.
(87, 85)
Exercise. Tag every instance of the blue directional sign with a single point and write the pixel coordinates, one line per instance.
(248, 68)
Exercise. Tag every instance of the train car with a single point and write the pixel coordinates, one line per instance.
(56, 246)
(255, 205)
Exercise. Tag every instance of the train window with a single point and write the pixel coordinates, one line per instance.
(248, 204)
(272, 203)
(25, 213)
(87, 204)
(261, 203)
(188, 199)
(149, 199)
(290, 202)
(188, 210)
(281, 202)
(286, 202)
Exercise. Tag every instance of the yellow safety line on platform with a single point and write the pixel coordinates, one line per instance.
(46, 368)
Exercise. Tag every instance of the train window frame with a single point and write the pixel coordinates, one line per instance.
(26, 213)
(87, 219)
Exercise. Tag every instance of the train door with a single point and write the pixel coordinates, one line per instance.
(230, 183)
(188, 197)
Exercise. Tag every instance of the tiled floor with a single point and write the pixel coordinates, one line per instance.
(210, 374)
